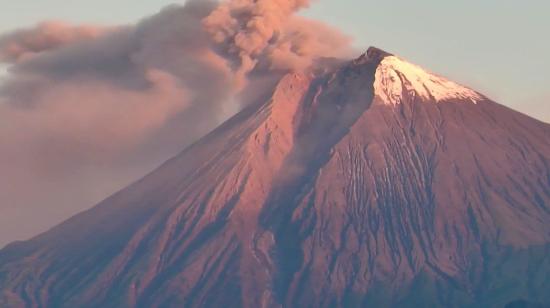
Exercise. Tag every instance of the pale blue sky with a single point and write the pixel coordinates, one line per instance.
(499, 47)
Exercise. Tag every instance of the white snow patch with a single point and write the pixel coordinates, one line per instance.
(396, 78)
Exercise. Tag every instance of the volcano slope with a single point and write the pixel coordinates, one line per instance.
(375, 183)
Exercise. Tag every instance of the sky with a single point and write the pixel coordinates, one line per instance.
(498, 47)
(56, 168)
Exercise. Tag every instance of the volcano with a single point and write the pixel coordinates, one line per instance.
(369, 183)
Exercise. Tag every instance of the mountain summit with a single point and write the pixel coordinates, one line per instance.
(376, 183)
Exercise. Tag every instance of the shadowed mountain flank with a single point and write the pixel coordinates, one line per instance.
(367, 183)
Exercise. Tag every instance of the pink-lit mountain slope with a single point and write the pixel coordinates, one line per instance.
(372, 184)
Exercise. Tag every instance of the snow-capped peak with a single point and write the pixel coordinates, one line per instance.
(396, 78)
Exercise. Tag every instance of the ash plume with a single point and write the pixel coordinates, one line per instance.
(268, 34)
(105, 104)
(24, 43)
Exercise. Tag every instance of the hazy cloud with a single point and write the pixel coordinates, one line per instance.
(24, 43)
(84, 109)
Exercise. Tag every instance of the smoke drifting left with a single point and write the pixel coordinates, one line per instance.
(86, 109)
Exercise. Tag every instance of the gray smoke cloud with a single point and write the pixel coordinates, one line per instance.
(49, 35)
(84, 110)
(268, 34)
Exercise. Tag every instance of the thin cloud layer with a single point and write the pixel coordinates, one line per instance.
(21, 44)
(103, 105)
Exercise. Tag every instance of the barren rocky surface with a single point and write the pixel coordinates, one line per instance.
(373, 184)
